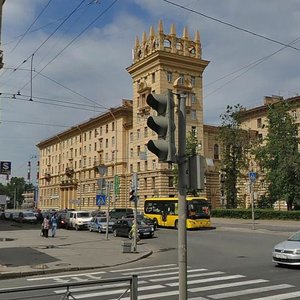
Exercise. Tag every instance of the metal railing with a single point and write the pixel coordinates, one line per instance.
(71, 290)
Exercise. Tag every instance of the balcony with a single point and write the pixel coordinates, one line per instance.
(69, 183)
(69, 172)
(47, 176)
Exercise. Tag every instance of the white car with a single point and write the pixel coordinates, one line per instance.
(288, 252)
(78, 219)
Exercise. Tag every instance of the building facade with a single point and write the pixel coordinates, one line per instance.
(116, 140)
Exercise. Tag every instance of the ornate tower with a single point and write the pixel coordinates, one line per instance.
(159, 61)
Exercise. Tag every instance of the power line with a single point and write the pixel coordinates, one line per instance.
(231, 25)
(34, 123)
(75, 38)
(248, 68)
(23, 35)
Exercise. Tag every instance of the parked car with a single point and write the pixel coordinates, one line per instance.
(61, 219)
(78, 219)
(122, 228)
(146, 220)
(99, 224)
(288, 252)
(26, 217)
(118, 213)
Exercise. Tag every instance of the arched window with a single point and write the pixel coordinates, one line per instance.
(216, 151)
(179, 46)
(167, 43)
(192, 50)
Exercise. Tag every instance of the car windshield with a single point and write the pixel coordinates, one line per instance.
(295, 237)
(83, 215)
(102, 220)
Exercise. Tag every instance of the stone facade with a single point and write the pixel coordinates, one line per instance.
(118, 138)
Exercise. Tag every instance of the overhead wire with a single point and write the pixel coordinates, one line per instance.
(231, 25)
(74, 39)
(24, 34)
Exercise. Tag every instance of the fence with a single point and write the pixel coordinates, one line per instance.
(71, 290)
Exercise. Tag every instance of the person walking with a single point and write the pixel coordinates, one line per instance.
(46, 226)
(53, 222)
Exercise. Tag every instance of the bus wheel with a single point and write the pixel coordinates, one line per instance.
(176, 224)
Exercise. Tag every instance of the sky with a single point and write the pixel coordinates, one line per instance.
(70, 58)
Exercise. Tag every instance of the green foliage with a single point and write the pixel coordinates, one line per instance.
(262, 214)
(279, 157)
(14, 190)
(235, 146)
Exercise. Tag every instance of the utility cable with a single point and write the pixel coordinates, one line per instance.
(23, 35)
(74, 39)
(231, 25)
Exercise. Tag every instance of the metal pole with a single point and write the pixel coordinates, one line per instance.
(31, 70)
(107, 192)
(182, 171)
(15, 197)
(252, 204)
(135, 186)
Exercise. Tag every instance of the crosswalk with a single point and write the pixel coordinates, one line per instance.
(161, 282)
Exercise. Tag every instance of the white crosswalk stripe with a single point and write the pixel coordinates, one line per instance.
(161, 282)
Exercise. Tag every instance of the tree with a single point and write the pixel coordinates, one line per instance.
(15, 188)
(235, 147)
(279, 157)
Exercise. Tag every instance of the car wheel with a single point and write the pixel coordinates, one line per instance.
(115, 233)
(176, 224)
(155, 223)
(99, 230)
(76, 227)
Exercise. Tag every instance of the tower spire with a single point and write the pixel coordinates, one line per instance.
(160, 27)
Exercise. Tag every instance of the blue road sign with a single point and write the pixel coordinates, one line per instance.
(100, 200)
(252, 176)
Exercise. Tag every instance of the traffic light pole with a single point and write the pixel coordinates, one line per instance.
(182, 184)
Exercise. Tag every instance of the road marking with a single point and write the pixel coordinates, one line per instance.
(226, 285)
(170, 273)
(208, 280)
(189, 276)
(281, 296)
(251, 291)
(143, 268)
(149, 271)
(65, 276)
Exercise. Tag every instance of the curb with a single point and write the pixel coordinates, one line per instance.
(10, 275)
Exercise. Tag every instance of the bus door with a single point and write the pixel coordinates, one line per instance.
(164, 216)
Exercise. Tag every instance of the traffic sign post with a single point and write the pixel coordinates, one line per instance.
(252, 178)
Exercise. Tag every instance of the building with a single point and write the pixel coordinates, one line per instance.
(116, 140)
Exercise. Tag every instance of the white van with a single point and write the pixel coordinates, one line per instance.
(78, 219)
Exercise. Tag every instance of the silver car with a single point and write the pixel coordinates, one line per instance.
(288, 252)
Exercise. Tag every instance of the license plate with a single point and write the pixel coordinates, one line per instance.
(281, 256)
(145, 233)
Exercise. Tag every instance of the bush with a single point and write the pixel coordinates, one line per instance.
(263, 214)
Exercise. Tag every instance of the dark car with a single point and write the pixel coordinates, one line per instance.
(122, 228)
(61, 220)
(141, 217)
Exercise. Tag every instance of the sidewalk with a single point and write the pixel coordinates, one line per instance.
(26, 253)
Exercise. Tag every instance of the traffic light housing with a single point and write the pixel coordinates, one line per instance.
(163, 124)
(132, 195)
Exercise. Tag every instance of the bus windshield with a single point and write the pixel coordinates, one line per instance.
(198, 209)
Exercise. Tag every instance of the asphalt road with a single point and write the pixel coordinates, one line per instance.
(231, 251)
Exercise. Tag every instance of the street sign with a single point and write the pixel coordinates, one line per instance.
(252, 176)
(100, 199)
(5, 167)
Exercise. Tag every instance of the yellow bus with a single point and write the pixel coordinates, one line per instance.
(164, 211)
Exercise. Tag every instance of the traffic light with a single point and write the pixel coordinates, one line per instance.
(132, 195)
(163, 124)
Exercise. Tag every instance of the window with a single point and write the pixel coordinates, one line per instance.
(138, 166)
(193, 114)
(113, 126)
(145, 132)
(153, 77)
(101, 143)
(106, 143)
(131, 152)
(193, 98)
(145, 183)
(106, 128)
(259, 123)
(260, 137)
(153, 183)
(146, 166)
(194, 131)
(101, 130)
(90, 134)
(167, 43)
(113, 141)
(95, 146)
(131, 136)
(193, 81)
(169, 76)
(171, 181)
(138, 134)
(181, 80)
(216, 151)
(153, 164)
(138, 150)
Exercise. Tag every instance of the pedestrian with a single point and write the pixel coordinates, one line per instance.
(53, 222)
(46, 226)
